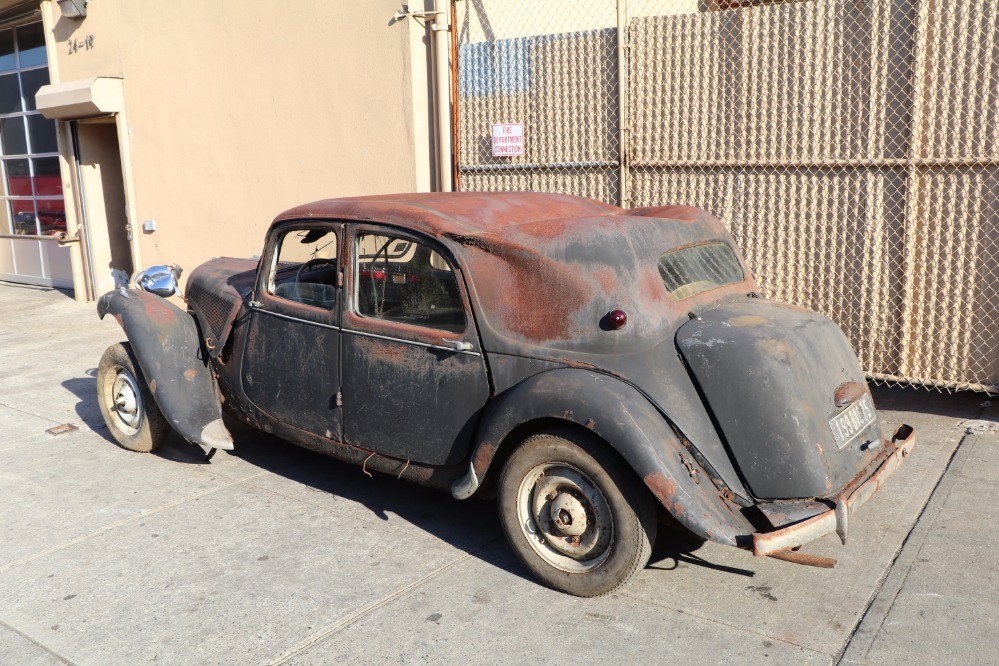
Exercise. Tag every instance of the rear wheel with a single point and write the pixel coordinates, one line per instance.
(128, 407)
(574, 513)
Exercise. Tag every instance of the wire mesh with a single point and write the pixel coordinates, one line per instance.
(851, 146)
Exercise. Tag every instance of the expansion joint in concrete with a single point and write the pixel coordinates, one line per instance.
(892, 581)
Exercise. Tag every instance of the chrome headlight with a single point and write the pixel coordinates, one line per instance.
(159, 280)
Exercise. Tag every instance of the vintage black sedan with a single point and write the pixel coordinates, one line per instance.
(591, 367)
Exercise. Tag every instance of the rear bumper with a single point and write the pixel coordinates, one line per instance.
(836, 520)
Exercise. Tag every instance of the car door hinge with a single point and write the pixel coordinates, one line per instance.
(339, 399)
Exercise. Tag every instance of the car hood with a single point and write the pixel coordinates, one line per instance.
(773, 375)
(215, 292)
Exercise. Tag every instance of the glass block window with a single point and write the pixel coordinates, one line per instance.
(31, 201)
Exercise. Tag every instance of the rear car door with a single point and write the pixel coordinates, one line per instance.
(414, 378)
(291, 359)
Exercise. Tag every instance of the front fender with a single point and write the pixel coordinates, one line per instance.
(165, 341)
(630, 424)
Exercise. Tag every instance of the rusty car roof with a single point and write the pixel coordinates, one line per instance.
(543, 268)
(441, 213)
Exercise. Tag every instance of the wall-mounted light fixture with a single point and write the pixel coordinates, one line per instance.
(73, 8)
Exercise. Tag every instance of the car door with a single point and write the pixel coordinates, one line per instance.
(414, 378)
(291, 359)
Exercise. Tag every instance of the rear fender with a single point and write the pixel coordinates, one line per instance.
(166, 343)
(630, 424)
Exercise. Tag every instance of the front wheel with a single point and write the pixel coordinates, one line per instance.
(128, 407)
(574, 514)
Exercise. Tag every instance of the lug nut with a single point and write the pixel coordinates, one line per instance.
(552, 495)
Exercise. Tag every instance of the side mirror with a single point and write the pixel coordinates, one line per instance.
(159, 280)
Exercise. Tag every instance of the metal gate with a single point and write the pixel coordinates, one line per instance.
(852, 147)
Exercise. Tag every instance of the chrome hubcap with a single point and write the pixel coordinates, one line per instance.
(126, 401)
(565, 517)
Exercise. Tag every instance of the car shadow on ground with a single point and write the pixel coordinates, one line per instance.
(472, 526)
(675, 548)
(85, 389)
(967, 404)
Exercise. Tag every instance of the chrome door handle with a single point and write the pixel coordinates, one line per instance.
(457, 345)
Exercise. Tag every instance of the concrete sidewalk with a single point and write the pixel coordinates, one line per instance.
(273, 554)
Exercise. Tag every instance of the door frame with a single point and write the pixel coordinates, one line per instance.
(355, 323)
(288, 308)
(466, 366)
(86, 99)
(263, 304)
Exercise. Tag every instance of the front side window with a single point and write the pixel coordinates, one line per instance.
(401, 280)
(691, 270)
(305, 269)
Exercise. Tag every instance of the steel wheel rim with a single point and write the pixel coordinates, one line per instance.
(565, 517)
(124, 400)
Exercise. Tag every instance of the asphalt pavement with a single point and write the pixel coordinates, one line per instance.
(272, 554)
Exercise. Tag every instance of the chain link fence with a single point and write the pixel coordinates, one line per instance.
(851, 146)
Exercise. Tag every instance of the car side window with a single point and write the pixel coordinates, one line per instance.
(398, 279)
(305, 269)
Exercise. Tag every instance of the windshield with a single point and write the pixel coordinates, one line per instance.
(690, 270)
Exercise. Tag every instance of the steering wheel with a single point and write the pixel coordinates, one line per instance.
(311, 264)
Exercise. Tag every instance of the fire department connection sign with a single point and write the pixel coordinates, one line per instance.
(508, 139)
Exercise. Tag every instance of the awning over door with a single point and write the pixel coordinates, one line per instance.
(84, 98)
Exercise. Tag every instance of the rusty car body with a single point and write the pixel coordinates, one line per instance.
(637, 337)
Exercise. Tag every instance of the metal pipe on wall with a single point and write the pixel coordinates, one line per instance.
(622, 100)
(456, 177)
(442, 77)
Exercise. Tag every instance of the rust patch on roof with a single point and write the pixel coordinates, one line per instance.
(529, 294)
(680, 213)
(606, 279)
(650, 285)
(749, 320)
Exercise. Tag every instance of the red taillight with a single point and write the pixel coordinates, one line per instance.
(848, 392)
(616, 319)
(373, 275)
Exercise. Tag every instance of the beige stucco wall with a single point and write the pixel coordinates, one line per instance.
(237, 110)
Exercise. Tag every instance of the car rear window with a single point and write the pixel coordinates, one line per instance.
(691, 270)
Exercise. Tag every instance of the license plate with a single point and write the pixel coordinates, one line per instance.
(853, 420)
(398, 279)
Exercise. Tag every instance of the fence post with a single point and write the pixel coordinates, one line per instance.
(622, 101)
